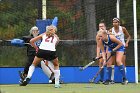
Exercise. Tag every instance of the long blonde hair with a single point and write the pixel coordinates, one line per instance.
(51, 26)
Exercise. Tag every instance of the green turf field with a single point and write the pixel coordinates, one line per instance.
(71, 88)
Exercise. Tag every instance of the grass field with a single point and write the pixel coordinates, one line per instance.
(72, 88)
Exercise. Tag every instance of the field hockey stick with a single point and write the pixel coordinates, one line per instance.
(14, 42)
(52, 74)
(48, 67)
(89, 64)
(96, 75)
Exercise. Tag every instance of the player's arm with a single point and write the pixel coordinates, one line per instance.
(98, 47)
(101, 46)
(114, 39)
(127, 35)
(33, 40)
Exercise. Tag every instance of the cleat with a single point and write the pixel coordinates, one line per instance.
(57, 86)
(50, 81)
(22, 75)
(125, 81)
(25, 82)
(99, 82)
(107, 82)
(112, 82)
(61, 82)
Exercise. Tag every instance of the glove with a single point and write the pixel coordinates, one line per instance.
(96, 58)
(113, 53)
(36, 50)
(17, 42)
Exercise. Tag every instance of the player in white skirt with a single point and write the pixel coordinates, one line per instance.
(47, 51)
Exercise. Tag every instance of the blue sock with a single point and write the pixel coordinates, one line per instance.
(122, 70)
(102, 75)
(109, 72)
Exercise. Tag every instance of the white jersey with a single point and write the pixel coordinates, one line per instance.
(119, 34)
(49, 43)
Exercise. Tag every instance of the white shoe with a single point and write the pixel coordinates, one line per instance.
(50, 81)
(57, 86)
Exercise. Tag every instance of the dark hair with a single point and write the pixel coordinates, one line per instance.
(102, 22)
(116, 19)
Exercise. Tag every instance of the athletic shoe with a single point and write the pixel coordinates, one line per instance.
(99, 82)
(21, 74)
(125, 81)
(112, 82)
(50, 81)
(57, 85)
(25, 82)
(61, 81)
(107, 82)
(53, 81)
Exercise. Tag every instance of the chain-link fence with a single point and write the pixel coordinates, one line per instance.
(77, 27)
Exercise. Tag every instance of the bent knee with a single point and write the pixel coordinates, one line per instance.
(55, 62)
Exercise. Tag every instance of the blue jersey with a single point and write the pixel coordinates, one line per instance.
(111, 45)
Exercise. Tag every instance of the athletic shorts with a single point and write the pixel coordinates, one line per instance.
(46, 54)
(120, 49)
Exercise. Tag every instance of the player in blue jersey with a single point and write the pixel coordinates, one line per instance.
(115, 46)
(102, 26)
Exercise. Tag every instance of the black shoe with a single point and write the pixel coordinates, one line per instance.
(22, 75)
(107, 82)
(61, 81)
(53, 81)
(99, 82)
(125, 81)
(112, 82)
(25, 82)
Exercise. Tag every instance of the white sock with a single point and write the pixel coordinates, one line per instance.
(112, 74)
(125, 70)
(45, 69)
(57, 76)
(31, 70)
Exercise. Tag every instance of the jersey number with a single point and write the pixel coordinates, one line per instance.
(48, 39)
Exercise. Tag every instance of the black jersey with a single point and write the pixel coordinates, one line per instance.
(30, 50)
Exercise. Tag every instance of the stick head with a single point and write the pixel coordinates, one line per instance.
(91, 80)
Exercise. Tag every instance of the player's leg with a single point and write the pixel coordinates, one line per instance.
(119, 56)
(109, 69)
(101, 80)
(124, 60)
(31, 70)
(56, 72)
(26, 68)
(113, 67)
(48, 69)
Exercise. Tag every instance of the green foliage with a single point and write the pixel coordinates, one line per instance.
(16, 18)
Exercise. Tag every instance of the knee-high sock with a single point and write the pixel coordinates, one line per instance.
(45, 69)
(57, 76)
(31, 70)
(109, 72)
(122, 70)
(112, 74)
(102, 74)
